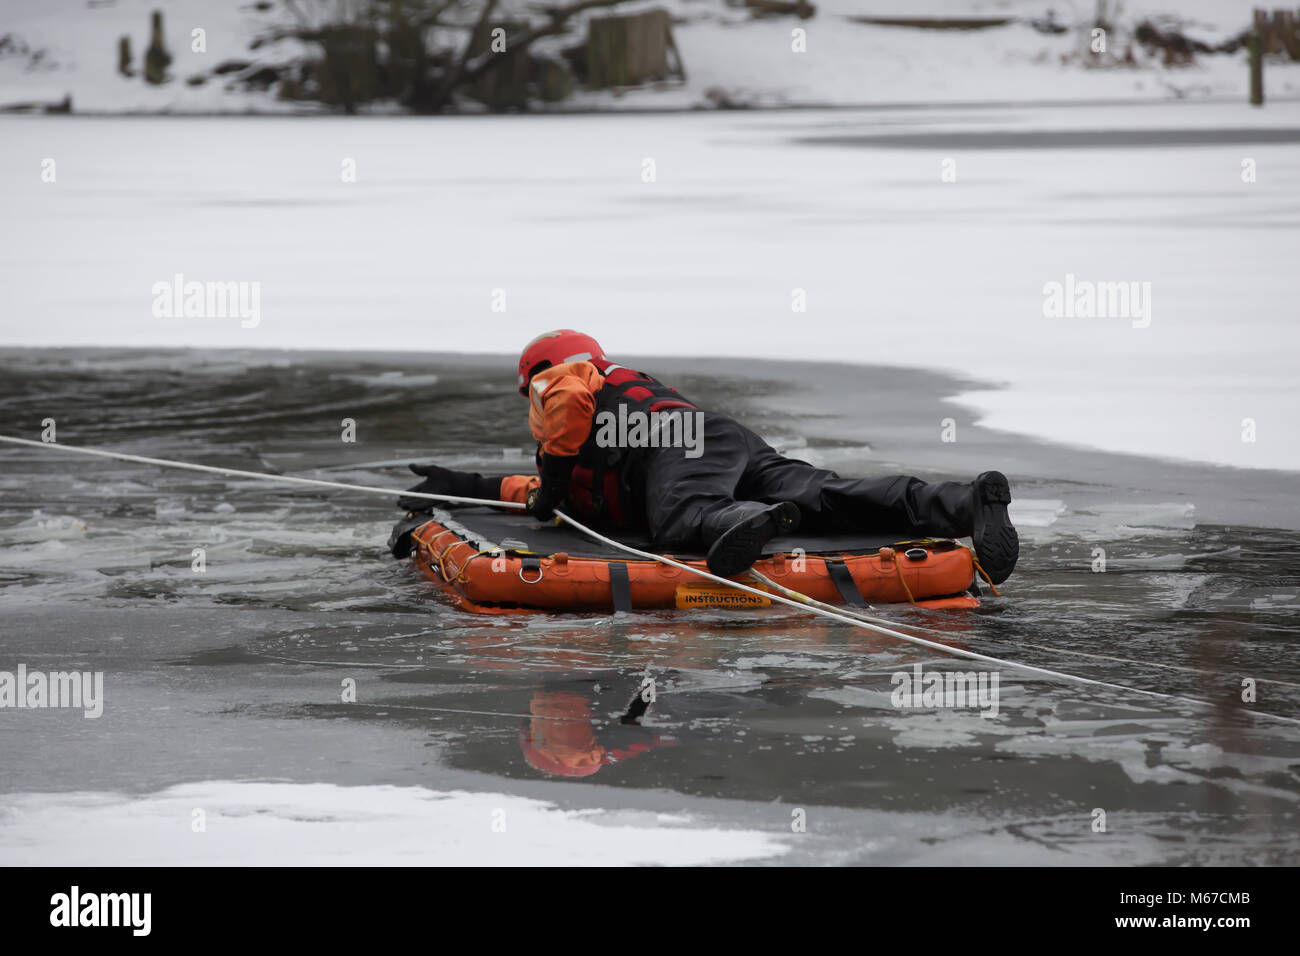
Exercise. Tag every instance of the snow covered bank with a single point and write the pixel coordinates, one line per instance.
(851, 63)
(71, 49)
(67, 47)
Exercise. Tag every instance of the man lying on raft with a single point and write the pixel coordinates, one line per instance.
(602, 457)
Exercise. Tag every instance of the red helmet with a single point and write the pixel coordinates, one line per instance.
(555, 348)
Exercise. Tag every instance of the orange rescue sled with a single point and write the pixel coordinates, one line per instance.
(494, 562)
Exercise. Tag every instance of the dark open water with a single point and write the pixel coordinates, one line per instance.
(234, 674)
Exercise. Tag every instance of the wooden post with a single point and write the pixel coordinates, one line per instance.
(1255, 42)
(124, 56)
(156, 58)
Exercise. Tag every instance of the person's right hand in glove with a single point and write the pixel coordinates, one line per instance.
(556, 470)
(445, 481)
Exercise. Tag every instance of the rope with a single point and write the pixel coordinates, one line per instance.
(442, 559)
(898, 566)
(803, 602)
(474, 713)
(260, 476)
(768, 582)
(980, 568)
(493, 552)
(811, 604)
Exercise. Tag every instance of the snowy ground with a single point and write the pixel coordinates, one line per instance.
(265, 824)
(725, 51)
(898, 266)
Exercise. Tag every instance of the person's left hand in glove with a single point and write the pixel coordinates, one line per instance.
(556, 470)
(445, 481)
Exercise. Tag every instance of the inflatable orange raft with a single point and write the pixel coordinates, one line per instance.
(494, 562)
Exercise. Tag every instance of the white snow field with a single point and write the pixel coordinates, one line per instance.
(472, 234)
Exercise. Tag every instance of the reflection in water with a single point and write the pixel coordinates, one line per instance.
(562, 737)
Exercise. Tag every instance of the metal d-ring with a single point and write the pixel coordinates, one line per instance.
(916, 554)
(540, 572)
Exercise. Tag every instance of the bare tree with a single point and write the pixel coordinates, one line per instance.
(422, 53)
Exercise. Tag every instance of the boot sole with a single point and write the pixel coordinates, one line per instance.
(740, 546)
(997, 545)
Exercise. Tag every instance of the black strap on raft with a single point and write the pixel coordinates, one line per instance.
(530, 569)
(844, 583)
(620, 586)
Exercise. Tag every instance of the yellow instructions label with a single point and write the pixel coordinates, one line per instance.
(701, 595)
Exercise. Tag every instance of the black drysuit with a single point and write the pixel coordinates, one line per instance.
(689, 502)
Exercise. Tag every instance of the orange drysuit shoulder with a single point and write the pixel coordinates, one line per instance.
(561, 402)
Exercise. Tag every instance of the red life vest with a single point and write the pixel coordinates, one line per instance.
(600, 485)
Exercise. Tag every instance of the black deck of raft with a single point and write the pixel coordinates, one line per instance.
(500, 527)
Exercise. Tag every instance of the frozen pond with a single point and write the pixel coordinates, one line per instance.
(471, 234)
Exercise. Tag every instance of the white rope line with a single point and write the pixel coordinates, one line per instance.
(260, 476)
(810, 604)
(1036, 647)
(475, 713)
(805, 603)
(1172, 667)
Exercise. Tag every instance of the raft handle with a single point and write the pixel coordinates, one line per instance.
(533, 563)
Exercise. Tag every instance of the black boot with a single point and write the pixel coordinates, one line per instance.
(736, 534)
(996, 543)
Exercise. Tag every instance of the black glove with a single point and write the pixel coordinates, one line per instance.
(445, 481)
(556, 472)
